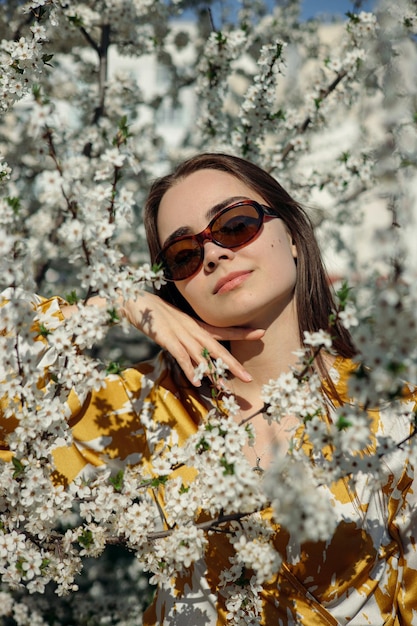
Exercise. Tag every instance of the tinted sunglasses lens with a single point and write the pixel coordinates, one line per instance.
(182, 258)
(232, 228)
(237, 225)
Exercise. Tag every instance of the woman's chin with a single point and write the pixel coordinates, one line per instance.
(229, 321)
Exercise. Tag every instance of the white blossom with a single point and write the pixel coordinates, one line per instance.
(82, 137)
(318, 339)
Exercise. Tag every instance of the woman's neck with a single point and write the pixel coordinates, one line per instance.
(266, 358)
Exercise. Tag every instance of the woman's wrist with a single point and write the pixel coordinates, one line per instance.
(97, 301)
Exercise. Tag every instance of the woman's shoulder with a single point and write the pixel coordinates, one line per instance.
(344, 370)
(392, 416)
(135, 414)
(144, 397)
(336, 383)
(162, 383)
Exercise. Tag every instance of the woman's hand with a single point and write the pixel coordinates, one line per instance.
(184, 337)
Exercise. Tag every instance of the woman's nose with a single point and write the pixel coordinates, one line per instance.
(213, 254)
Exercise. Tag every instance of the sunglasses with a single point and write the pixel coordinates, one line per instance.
(234, 226)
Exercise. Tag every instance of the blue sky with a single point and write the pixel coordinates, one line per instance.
(325, 9)
(313, 8)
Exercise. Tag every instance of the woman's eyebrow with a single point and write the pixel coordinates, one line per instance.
(222, 205)
(186, 230)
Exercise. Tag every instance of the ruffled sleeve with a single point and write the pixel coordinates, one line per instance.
(124, 422)
(403, 528)
(20, 308)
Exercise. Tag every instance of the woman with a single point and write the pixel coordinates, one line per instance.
(245, 280)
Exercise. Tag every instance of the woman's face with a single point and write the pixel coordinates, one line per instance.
(246, 286)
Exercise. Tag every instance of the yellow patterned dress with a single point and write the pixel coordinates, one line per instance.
(366, 573)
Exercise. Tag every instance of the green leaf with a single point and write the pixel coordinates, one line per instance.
(202, 446)
(228, 468)
(344, 157)
(36, 91)
(114, 367)
(76, 20)
(243, 580)
(250, 433)
(16, 68)
(14, 203)
(117, 481)
(158, 481)
(123, 132)
(361, 373)
(343, 422)
(46, 58)
(317, 103)
(221, 39)
(156, 267)
(43, 331)
(72, 297)
(45, 563)
(19, 468)
(353, 17)
(86, 538)
(343, 294)
(278, 115)
(396, 367)
(123, 127)
(205, 354)
(113, 316)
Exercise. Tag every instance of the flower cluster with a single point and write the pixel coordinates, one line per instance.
(290, 395)
(82, 136)
(221, 50)
(259, 109)
(22, 63)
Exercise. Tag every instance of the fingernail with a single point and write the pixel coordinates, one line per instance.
(222, 385)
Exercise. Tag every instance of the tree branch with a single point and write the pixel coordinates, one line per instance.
(323, 94)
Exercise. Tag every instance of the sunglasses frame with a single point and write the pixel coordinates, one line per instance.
(207, 235)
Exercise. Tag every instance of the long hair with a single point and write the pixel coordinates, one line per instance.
(314, 297)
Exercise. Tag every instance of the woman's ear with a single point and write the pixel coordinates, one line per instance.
(292, 245)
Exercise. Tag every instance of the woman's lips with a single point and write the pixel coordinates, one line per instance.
(231, 281)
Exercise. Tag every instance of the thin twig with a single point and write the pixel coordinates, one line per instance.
(90, 40)
(323, 94)
(211, 524)
(210, 14)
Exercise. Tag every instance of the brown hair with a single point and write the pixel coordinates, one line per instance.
(314, 297)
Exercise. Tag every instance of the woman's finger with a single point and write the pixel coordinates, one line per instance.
(184, 337)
